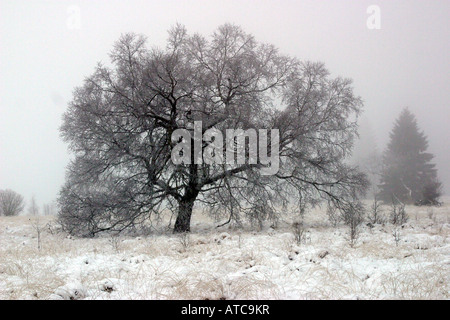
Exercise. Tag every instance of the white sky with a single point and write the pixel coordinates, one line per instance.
(43, 58)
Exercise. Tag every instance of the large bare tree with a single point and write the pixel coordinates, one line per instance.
(121, 122)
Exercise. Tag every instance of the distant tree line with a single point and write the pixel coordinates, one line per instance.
(12, 204)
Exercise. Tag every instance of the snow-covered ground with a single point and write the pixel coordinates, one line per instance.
(229, 263)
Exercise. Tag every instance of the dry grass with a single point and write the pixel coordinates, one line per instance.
(231, 264)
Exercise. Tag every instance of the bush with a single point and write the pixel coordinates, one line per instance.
(11, 203)
(398, 215)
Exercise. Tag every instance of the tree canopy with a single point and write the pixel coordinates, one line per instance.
(120, 127)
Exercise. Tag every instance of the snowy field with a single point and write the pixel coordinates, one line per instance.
(228, 263)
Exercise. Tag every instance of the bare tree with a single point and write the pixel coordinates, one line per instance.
(49, 209)
(397, 236)
(33, 209)
(353, 217)
(375, 214)
(121, 123)
(37, 226)
(11, 203)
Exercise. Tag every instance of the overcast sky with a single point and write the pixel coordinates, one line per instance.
(47, 48)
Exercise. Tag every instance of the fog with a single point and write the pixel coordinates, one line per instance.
(49, 47)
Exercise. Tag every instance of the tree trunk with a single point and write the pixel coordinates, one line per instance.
(183, 222)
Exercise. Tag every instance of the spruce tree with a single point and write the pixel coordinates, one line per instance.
(408, 175)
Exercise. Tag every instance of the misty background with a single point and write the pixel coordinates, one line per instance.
(49, 47)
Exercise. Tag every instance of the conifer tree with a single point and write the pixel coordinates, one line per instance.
(408, 175)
